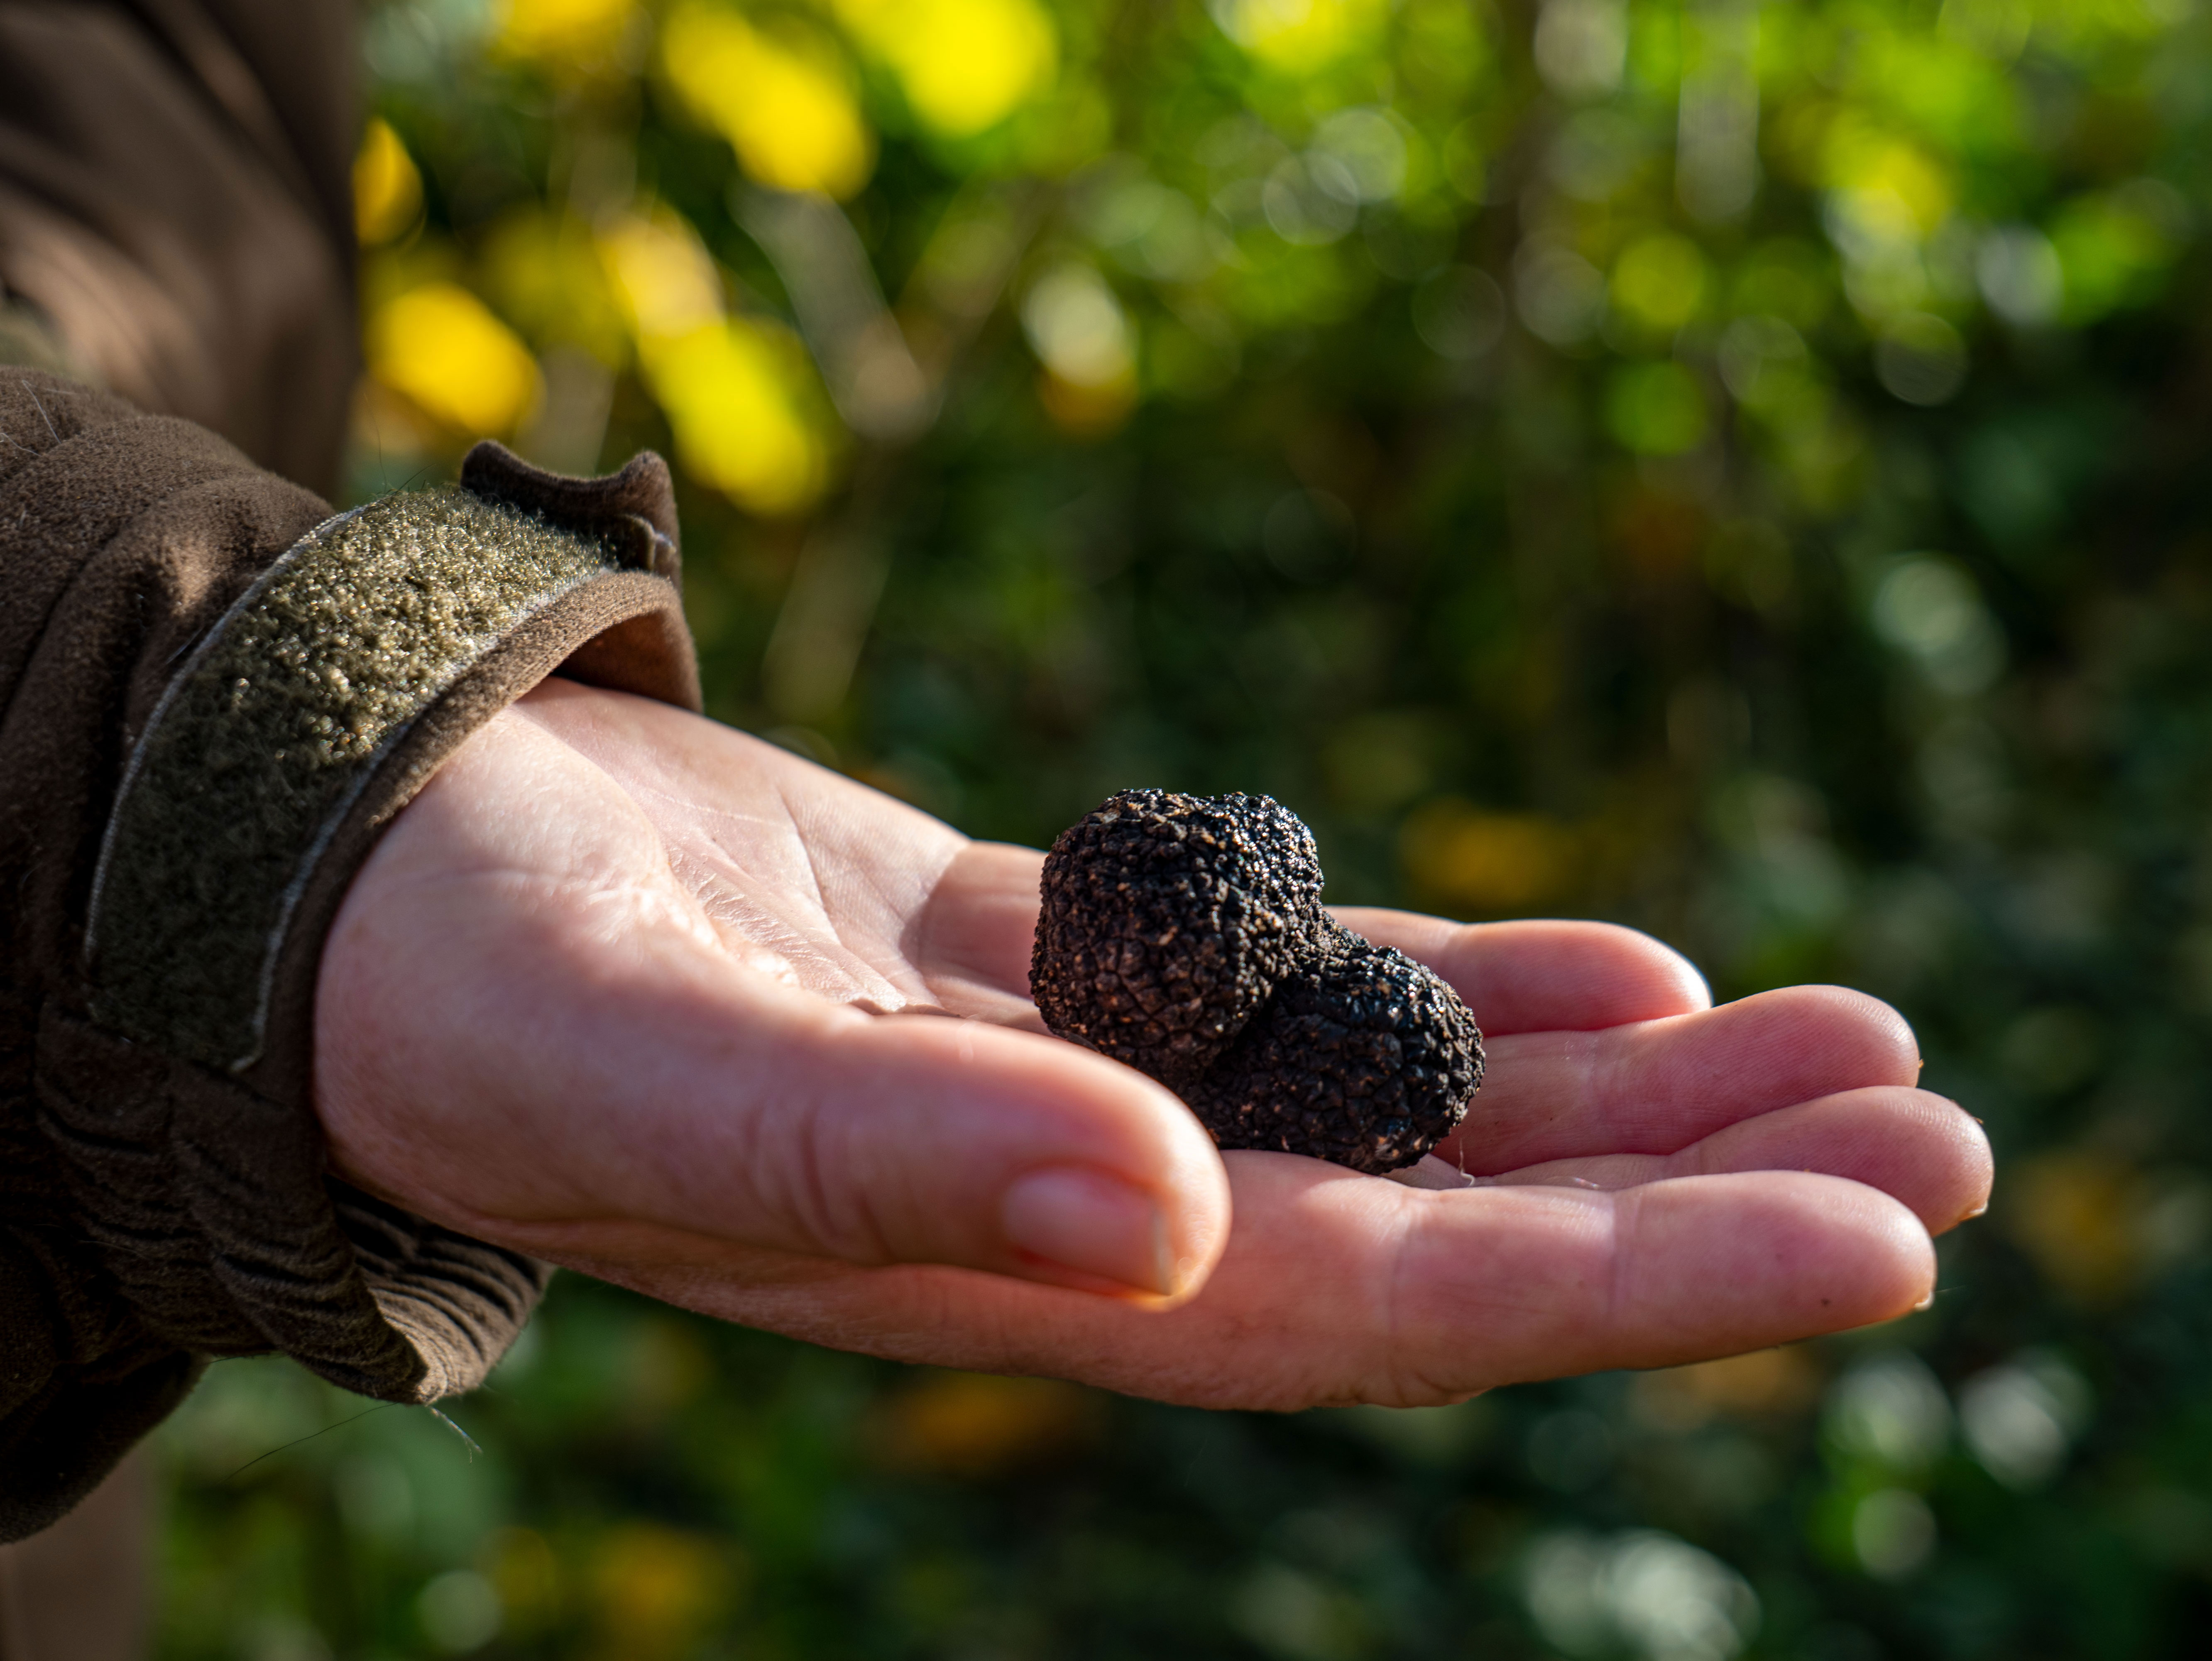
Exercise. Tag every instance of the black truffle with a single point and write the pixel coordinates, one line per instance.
(1167, 921)
(1184, 935)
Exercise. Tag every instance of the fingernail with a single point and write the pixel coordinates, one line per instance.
(1092, 1223)
(1928, 1302)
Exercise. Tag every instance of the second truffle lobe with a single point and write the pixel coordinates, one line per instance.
(1363, 1057)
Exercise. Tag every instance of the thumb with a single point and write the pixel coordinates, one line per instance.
(577, 1069)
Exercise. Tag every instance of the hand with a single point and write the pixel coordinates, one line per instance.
(638, 993)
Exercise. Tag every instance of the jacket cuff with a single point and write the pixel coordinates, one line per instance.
(315, 709)
(176, 1096)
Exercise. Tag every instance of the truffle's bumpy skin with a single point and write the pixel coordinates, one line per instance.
(1166, 920)
(1184, 935)
(1363, 1057)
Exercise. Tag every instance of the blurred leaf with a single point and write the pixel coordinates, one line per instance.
(964, 65)
(387, 187)
(442, 348)
(780, 94)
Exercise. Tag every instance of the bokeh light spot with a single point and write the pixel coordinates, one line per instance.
(783, 98)
(387, 187)
(1660, 282)
(562, 34)
(1656, 409)
(964, 65)
(442, 348)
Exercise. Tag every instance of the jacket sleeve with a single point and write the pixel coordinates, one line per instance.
(176, 223)
(213, 694)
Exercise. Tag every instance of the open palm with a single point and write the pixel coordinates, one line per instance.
(642, 995)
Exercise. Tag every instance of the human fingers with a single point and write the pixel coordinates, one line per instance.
(1656, 1086)
(1678, 1270)
(1662, 1071)
(1543, 976)
(1340, 1289)
(973, 938)
(526, 1031)
(1913, 1144)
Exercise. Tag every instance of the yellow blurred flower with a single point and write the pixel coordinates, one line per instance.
(1466, 857)
(784, 100)
(1299, 35)
(668, 1368)
(441, 348)
(522, 1568)
(387, 189)
(664, 278)
(736, 394)
(975, 1423)
(1087, 411)
(1766, 1384)
(562, 34)
(741, 395)
(655, 1588)
(2098, 1227)
(964, 65)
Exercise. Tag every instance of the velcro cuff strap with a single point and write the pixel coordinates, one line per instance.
(314, 710)
(268, 737)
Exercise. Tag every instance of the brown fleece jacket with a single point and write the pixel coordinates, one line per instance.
(176, 209)
(213, 696)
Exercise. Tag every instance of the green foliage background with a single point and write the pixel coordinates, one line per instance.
(1735, 468)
